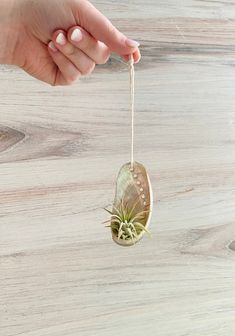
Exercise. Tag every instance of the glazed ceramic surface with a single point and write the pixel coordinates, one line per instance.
(134, 194)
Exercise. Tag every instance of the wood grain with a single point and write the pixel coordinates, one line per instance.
(60, 152)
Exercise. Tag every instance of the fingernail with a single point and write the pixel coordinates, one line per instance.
(61, 39)
(76, 35)
(132, 43)
(137, 61)
(52, 46)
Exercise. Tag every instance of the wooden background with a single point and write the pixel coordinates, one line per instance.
(61, 149)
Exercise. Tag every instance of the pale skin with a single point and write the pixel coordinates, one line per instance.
(58, 41)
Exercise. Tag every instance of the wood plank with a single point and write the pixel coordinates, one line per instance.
(61, 149)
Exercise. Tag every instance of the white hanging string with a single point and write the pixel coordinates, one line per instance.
(132, 96)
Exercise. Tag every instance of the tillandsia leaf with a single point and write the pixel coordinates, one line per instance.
(122, 226)
(142, 227)
(125, 229)
(123, 237)
(114, 224)
(112, 220)
(126, 212)
(106, 221)
(115, 221)
(139, 215)
(114, 228)
(120, 232)
(117, 210)
(109, 211)
(126, 226)
(131, 210)
(135, 235)
(117, 217)
(133, 207)
(123, 210)
(133, 229)
(130, 233)
(112, 213)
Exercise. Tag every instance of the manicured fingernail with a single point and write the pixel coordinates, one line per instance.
(76, 35)
(132, 43)
(52, 46)
(61, 39)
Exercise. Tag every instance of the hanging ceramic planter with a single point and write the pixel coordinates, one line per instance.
(132, 206)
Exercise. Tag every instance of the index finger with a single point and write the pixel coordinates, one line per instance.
(103, 30)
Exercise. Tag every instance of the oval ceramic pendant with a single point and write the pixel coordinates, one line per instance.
(132, 205)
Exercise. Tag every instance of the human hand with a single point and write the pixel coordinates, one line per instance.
(57, 41)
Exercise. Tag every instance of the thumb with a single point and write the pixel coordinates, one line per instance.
(102, 29)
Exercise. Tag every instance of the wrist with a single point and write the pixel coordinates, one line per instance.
(9, 27)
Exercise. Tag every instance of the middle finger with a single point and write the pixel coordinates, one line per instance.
(81, 39)
(83, 62)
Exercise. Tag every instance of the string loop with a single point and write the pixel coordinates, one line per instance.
(132, 97)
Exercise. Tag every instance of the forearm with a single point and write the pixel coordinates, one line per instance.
(9, 29)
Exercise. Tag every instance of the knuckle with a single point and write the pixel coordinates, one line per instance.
(69, 50)
(72, 79)
(88, 68)
(85, 43)
(104, 57)
(65, 80)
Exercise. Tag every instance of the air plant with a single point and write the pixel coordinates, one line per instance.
(126, 221)
(132, 206)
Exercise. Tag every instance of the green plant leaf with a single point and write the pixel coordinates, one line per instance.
(138, 215)
(120, 232)
(140, 225)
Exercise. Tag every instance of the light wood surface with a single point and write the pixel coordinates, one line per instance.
(61, 149)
